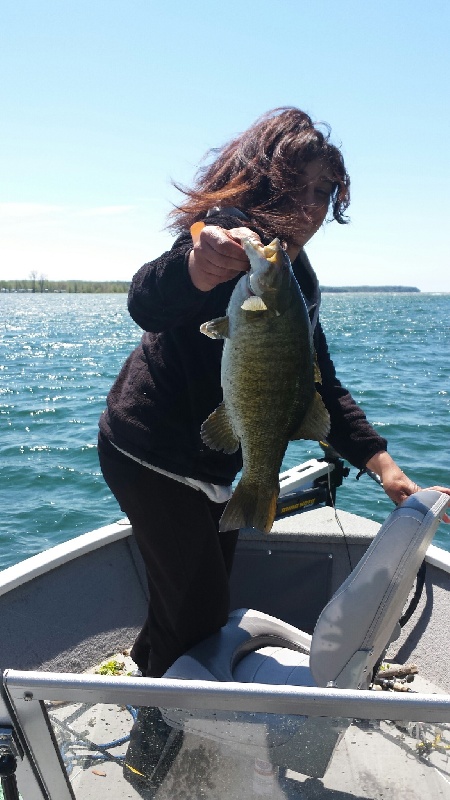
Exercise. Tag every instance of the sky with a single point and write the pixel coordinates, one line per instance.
(104, 102)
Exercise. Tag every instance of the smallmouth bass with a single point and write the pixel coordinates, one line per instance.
(268, 380)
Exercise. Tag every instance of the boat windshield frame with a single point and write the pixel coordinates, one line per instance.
(41, 769)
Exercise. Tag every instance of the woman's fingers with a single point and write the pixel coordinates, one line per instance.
(217, 256)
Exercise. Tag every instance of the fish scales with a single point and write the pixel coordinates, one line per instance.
(268, 386)
(263, 373)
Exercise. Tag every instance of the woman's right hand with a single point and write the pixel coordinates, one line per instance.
(217, 256)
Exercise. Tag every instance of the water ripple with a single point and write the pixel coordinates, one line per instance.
(60, 353)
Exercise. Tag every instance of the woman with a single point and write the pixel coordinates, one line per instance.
(279, 178)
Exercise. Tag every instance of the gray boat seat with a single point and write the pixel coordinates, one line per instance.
(350, 637)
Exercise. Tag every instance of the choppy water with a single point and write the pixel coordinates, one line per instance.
(59, 355)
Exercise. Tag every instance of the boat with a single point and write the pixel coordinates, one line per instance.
(312, 690)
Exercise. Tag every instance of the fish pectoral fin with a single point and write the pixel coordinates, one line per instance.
(252, 505)
(217, 431)
(216, 328)
(316, 422)
(254, 303)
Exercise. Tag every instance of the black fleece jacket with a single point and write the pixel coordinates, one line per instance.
(171, 382)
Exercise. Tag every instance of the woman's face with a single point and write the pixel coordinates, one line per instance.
(315, 185)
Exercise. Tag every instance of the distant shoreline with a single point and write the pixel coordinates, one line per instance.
(345, 289)
(43, 286)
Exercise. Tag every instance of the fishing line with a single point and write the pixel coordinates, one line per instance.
(330, 493)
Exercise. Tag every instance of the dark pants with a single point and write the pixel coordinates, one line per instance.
(188, 561)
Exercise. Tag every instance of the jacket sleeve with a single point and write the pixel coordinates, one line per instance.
(351, 434)
(161, 294)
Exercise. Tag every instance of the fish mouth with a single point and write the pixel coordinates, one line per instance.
(266, 262)
(269, 252)
(248, 286)
(252, 247)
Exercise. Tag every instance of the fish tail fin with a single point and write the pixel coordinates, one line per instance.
(252, 505)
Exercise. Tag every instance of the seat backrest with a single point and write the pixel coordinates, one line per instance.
(356, 626)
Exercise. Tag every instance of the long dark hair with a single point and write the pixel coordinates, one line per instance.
(258, 173)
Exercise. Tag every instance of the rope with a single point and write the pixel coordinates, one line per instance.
(92, 752)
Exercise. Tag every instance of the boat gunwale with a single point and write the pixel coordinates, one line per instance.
(35, 566)
(41, 563)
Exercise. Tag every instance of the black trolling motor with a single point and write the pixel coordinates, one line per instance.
(311, 484)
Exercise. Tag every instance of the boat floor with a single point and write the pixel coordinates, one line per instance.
(373, 760)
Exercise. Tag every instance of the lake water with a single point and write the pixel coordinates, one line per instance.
(60, 353)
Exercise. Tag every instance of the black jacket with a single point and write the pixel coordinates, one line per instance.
(171, 382)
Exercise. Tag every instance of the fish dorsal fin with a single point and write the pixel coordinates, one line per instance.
(216, 328)
(217, 431)
(253, 303)
(316, 422)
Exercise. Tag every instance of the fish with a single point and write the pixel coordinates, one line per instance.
(268, 374)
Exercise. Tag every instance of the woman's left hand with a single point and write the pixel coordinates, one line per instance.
(396, 484)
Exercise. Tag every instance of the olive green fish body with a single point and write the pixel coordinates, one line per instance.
(268, 374)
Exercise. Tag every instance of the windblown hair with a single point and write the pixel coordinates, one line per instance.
(258, 172)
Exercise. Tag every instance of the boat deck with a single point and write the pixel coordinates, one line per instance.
(290, 574)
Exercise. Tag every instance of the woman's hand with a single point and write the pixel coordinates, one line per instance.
(217, 256)
(396, 484)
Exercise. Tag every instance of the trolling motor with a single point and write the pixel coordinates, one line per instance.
(311, 484)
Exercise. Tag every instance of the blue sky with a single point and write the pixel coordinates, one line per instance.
(104, 101)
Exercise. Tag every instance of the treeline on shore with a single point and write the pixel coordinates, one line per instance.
(342, 289)
(72, 287)
(120, 287)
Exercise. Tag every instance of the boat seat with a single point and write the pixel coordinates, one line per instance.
(350, 637)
